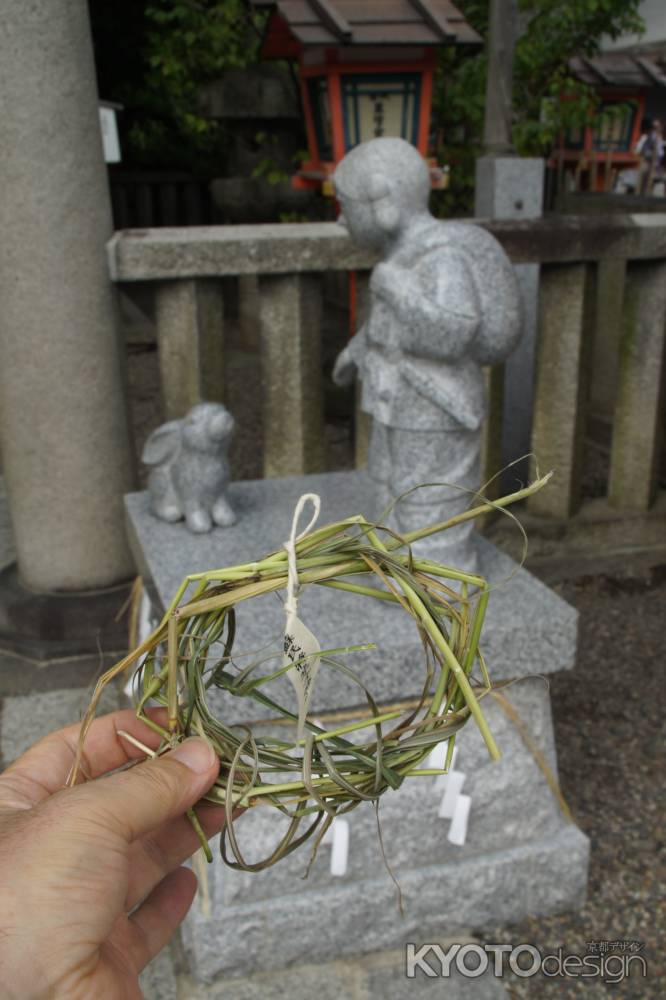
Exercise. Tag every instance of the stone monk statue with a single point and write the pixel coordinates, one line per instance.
(444, 301)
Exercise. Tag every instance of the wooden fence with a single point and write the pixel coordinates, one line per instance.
(148, 199)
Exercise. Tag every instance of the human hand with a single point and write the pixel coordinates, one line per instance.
(90, 876)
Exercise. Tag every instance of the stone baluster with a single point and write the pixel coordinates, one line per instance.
(611, 275)
(491, 442)
(290, 310)
(248, 311)
(362, 421)
(565, 314)
(190, 334)
(632, 481)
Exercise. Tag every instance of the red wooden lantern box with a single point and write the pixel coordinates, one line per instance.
(366, 69)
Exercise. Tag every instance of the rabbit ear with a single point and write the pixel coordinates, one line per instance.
(162, 444)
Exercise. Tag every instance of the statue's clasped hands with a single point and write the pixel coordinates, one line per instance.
(387, 279)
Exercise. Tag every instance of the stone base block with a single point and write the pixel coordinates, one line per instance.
(379, 976)
(520, 855)
(509, 187)
(24, 719)
(511, 805)
(528, 629)
(49, 626)
(541, 877)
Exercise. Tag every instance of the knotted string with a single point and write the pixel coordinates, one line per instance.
(291, 604)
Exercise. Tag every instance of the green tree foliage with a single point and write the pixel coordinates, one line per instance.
(546, 98)
(154, 56)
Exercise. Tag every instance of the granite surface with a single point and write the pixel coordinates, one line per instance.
(7, 549)
(521, 856)
(189, 469)
(511, 806)
(541, 877)
(380, 976)
(509, 187)
(27, 718)
(443, 302)
(528, 630)
(69, 462)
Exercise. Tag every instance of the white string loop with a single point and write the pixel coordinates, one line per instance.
(291, 604)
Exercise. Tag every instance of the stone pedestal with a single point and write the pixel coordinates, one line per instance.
(511, 187)
(63, 425)
(49, 626)
(521, 854)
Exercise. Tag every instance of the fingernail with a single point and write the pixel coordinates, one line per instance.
(195, 754)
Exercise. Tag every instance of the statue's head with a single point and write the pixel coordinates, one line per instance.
(207, 426)
(380, 185)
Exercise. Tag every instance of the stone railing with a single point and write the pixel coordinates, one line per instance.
(604, 275)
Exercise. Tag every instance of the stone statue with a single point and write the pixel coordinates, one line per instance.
(444, 301)
(189, 468)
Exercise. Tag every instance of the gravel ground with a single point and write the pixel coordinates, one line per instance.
(608, 716)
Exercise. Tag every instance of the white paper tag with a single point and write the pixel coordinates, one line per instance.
(454, 783)
(301, 648)
(109, 128)
(337, 836)
(458, 828)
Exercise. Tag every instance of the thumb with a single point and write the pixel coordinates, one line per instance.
(136, 801)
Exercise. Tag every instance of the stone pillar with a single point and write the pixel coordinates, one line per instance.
(611, 276)
(565, 316)
(62, 414)
(190, 332)
(636, 431)
(511, 187)
(248, 311)
(491, 442)
(362, 420)
(290, 321)
(503, 32)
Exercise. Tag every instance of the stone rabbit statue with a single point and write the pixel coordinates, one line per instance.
(189, 468)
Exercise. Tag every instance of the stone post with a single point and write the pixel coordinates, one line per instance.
(636, 431)
(63, 422)
(248, 311)
(560, 394)
(611, 275)
(290, 321)
(190, 333)
(491, 442)
(362, 421)
(511, 187)
(503, 32)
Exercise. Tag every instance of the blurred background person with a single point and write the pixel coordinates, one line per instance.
(650, 148)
